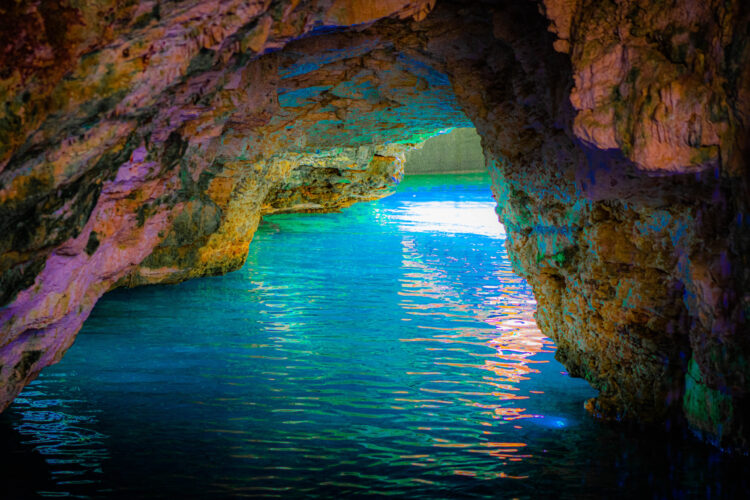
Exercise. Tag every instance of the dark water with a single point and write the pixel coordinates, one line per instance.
(384, 351)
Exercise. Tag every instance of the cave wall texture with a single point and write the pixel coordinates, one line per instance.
(142, 140)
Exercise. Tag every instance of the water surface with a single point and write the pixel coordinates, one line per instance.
(387, 350)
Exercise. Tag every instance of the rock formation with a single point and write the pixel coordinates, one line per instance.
(457, 151)
(141, 142)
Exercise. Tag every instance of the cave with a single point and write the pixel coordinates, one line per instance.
(142, 142)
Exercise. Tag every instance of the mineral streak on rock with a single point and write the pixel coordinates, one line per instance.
(141, 142)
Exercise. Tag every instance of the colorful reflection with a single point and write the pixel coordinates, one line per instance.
(500, 355)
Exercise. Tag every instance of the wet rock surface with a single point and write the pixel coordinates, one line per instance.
(141, 142)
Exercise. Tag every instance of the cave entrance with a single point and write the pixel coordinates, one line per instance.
(389, 340)
(148, 150)
(400, 340)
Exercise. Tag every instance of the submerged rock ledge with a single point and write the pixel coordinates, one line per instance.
(141, 142)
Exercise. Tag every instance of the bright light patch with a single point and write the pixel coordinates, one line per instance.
(549, 421)
(448, 217)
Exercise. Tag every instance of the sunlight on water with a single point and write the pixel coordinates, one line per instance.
(447, 217)
(505, 348)
(388, 351)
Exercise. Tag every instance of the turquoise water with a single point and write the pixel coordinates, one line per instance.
(387, 350)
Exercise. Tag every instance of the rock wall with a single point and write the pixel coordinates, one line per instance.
(459, 150)
(145, 148)
(661, 94)
(621, 175)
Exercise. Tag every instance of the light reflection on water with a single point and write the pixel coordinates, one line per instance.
(64, 432)
(445, 217)
(388, 350)
(506, 345)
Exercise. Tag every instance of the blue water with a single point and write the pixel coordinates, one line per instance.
(387, 350)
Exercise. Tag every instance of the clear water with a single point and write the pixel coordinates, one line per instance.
(384, 351)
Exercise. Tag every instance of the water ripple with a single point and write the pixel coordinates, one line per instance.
(385, 351)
